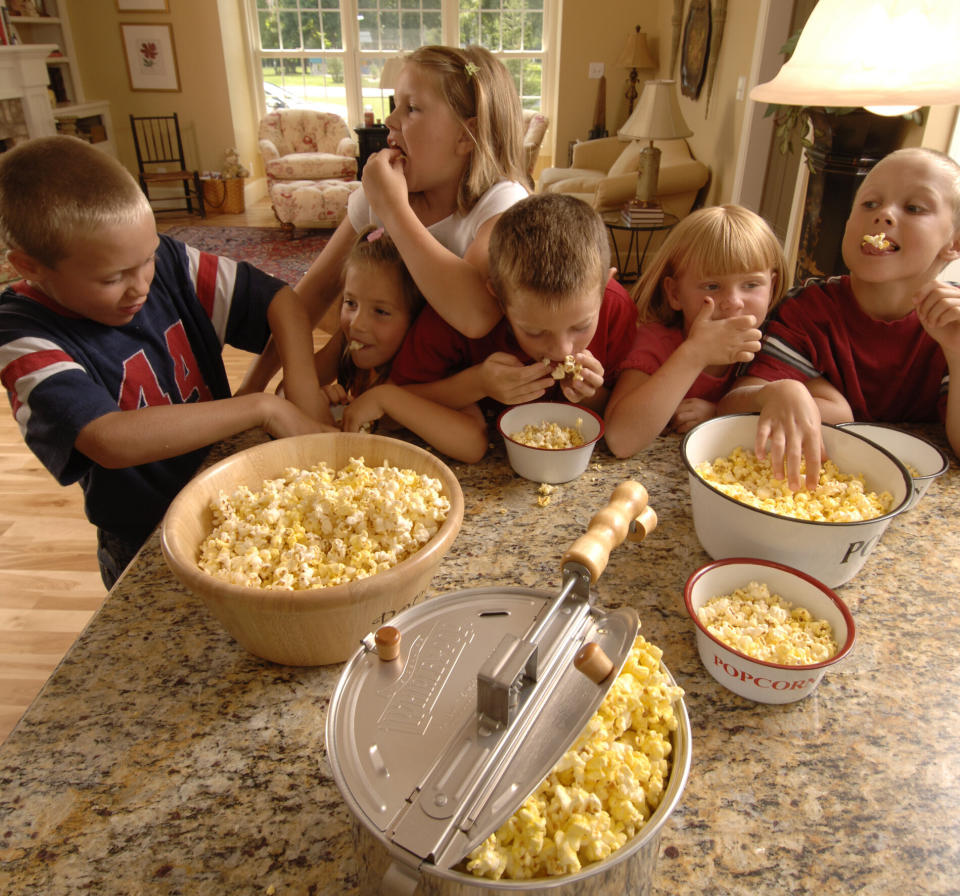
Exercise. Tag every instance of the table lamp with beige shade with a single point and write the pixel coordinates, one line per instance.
(635, 56)
(388, 77)
(657, 117)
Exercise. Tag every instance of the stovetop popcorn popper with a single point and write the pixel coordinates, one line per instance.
(446, 720)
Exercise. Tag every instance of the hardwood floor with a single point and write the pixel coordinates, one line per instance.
(49, 582)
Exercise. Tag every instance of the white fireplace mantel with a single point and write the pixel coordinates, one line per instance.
(23, 76)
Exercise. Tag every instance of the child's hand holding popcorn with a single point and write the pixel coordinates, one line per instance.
(506, 379)
(587, 382)
(723, 340)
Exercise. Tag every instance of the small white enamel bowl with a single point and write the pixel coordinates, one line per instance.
(832, 553)
(914, 452)
(549, 464)
(760, 681)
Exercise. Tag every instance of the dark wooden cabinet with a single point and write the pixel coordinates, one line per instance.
(369, 140)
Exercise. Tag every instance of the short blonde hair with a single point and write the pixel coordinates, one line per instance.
(551, 244)
(719, 240)
(52, 188)
(475, 85)
(936, 158)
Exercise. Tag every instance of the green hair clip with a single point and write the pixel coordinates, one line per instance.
(471, 68)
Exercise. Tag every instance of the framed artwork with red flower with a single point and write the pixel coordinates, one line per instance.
(151, 57)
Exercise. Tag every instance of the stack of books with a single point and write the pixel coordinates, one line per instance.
(636, 214)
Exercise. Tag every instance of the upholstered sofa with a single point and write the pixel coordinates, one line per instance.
(604, 174)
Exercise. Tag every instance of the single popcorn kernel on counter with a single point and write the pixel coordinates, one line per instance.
(767, 627)
(543, 494)
(877, 240)
(838, 498)
(316, 527)
(603, 789)
(549, 435)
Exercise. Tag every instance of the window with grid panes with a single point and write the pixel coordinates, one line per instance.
(328, 54)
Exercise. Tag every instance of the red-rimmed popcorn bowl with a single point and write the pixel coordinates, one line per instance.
(319, 625)
(923, 460)
(831, 552)
(552, 465)
(754, 679)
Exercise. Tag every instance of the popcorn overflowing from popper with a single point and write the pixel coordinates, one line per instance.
(548, 434)
(603, 789)
(877, 240)
(767, 627)
(316, 527)
(838, 497)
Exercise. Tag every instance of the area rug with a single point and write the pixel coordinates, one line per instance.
(267, 248)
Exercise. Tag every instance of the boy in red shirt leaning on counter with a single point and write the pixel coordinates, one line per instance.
(549, 269)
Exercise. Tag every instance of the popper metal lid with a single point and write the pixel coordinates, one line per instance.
(437, 747)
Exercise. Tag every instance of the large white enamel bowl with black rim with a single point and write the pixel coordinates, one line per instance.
(833, 553)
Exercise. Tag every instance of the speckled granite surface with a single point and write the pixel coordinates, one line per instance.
(161, 758)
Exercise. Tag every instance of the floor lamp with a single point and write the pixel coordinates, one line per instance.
(634, 56)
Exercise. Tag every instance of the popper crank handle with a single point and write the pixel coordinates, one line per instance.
(627, 515)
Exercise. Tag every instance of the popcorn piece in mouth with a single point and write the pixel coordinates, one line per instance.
(569, 365)
(877, 240)
(354, 346)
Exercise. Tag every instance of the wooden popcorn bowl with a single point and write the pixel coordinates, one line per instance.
(320, 625)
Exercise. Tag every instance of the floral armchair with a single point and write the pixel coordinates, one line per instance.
(310, 159)
(305, 144)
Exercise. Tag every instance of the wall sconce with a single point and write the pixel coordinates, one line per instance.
(635, 55)
(890, 56)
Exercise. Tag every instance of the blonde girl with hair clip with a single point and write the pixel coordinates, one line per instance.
(453, 164)
(380, 301)
(700, 307)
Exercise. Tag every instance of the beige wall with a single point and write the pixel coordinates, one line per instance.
(213, 103)
(595, 31)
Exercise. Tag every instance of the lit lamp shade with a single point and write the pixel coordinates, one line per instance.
(389, 75)
(889, 56)
(657, 117)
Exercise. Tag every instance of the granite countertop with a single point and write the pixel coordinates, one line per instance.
(162, 758)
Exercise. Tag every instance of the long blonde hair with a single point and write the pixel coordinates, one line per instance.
(722, 239)
(475, 85)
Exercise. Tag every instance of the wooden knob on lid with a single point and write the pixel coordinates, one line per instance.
(593, 662)
(388, 643)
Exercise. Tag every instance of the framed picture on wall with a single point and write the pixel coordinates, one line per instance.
(151, 58)
(143, 5)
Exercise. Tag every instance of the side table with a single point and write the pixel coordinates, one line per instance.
(369, 140)
(614, 221)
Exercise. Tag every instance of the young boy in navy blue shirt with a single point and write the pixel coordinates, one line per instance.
(110, 348)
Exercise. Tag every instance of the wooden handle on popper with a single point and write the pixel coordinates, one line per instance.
(610, 526)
